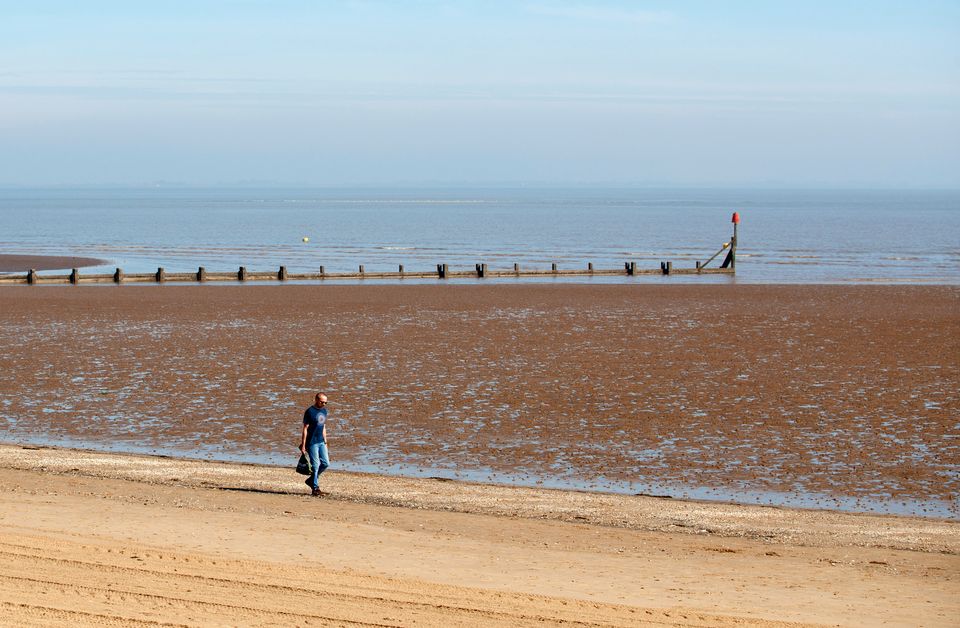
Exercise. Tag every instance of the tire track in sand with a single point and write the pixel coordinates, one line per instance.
(47, 581)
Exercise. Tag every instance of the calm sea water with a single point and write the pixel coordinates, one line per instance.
(786, 236)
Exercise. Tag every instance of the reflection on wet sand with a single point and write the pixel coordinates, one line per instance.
(826, 396)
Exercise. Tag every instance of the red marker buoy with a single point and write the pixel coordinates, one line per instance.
(736, 218)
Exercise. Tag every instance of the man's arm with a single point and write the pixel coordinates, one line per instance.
(303, 439)
(324, 432)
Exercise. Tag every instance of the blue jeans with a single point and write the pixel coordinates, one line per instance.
(319, 460)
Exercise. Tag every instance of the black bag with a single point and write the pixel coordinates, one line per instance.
(303, 465)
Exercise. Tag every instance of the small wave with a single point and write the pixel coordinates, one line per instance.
(388, 201)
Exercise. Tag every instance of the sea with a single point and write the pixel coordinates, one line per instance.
(784, 236)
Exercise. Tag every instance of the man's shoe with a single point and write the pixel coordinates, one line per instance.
(317, 493)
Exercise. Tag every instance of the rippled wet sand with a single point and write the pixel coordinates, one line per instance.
(834, 396)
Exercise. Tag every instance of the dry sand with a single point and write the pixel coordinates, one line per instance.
(98, 539)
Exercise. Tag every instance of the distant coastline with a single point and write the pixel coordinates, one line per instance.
(23, 263)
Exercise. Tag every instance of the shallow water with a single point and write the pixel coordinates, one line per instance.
(786, 236)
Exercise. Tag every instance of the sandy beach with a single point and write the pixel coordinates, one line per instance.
(88, 538)
(644, 397)
(20, 263)
(823, 396)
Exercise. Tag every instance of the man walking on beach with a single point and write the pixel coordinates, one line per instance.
(313, 440)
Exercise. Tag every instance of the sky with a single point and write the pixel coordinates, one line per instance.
(815, 93)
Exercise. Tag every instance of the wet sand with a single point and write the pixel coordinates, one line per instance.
(102, 539)
(23, 263)
(828, 396)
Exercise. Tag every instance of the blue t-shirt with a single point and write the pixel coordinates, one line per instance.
(314, 418)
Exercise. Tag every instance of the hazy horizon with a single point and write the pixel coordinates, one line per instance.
(460, 185)
(440, 93)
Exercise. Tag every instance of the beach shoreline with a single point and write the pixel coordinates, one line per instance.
(11, 263)
(193, 541)
(706, 385)
(841, 392)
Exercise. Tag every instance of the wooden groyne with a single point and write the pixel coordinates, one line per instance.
(443, 271)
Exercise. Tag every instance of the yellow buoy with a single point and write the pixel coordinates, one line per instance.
(306, 239)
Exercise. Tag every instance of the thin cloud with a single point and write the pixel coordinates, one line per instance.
(600, 14)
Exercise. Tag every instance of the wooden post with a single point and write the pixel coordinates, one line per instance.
(282, 275)
(553, 267)
(698, 266)
(401, 269)
(321, 271)
(516, 268)
(32, 276)
(666, 267)
(590, 266)
(161, 275)
(442, 271)
(201, 274)
(714, 256)
(74, 276)
(118, 276)
(481, 270)
(731, 260)
(631, 268)
(733, 245)
(361, 269)
(242, 273)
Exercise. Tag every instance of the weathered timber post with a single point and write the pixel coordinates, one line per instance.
(401, 269)
(516, 268)
(118, 276)
(481, 270)
(32, 276)
(282, 274)
(161, 275)
(553, 267)
(666, 267)
(698, 266)
(242, 273)
(322, 271)
(442, 271)
(201, 274)
(361, 269)
(74, 276)
(590, 266)
(714, 256)
(631, 268)
(731, 259)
